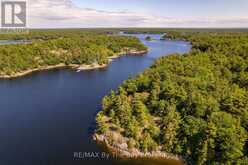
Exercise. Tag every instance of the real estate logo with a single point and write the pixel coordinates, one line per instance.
(14, 14)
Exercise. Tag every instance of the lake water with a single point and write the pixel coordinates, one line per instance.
(46, 117)
(14, 42)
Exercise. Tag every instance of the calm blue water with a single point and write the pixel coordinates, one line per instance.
(46, 117)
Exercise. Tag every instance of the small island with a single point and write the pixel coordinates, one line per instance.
(148, 38)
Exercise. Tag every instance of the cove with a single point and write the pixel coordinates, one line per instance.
(47, 118)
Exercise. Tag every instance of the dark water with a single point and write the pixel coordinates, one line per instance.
(46, 117)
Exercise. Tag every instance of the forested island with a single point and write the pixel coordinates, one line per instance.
(148, 38)
(48, 49)
(191, 107)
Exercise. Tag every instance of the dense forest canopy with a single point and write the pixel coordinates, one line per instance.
(53, 47)
(194, 105)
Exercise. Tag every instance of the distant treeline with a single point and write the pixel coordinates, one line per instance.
(46, 34)
(166, 30)
(194, 105)
(56, 33)
(52, 47)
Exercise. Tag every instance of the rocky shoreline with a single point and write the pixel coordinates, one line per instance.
(122, 151)
(72, 66)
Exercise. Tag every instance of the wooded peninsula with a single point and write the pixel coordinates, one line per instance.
(49, 49)
(192, 107)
